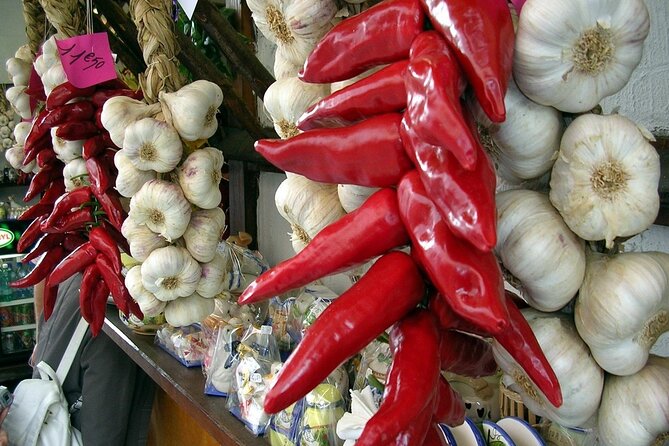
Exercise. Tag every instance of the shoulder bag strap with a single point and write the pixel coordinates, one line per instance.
(71, 351)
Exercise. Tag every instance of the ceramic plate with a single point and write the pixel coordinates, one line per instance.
(495, 435)
(521, 432)
(467, 434)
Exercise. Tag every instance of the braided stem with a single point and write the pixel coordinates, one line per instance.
(65, 15)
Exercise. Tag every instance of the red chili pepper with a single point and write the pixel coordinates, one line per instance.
(96, 146)
(434, 85)
(31, 234)
(47, 242)
(116, 235)
(49, 296)
(450, 408)
(53, 193)
(36, 131)
(481, 34)
(106, 245)
(465, 198)
(99, 176)
(45, 157)
(89, 281)
(41, 180)
(434, 437)
(72, 241)
(379, 35)
(369, 153)
(70, 200)
(412, 380)
(388, 291)
(112, 206)
(470, 279)
(75, 112)
(112, 84)
(100, 97)
(64, 93)
(31, 152)
(73, 221)
(99, 306)
(416, 432)
(41, 269)
(98, 119)
(35, 211)
(77, 130)
(74, 262)
(378, 93)
(115, 283)
(374, 229)
(466, 355)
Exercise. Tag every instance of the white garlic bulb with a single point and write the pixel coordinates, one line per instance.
(283, 65)
(75, 174)
(287, 99)
(188, 310)
(65, 150)
(15, 155)
(24, 53)
(211, 282)
(151, 144)
(162, 207)
(130, 179)
(199, 176)
(204, 233)
(604, 182)
(19, 101)
(141, 239)
(21, 131)
(119, 112)
(352, 196)
(193, 109)
(147, 302)
(546, 259)
(19, 70)
(571, 54)
(170, 273)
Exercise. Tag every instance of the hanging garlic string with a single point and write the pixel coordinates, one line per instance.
(34, 17)
(65, 15)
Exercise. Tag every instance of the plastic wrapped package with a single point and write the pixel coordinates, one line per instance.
(221, 360)
(284, 426)
(363, 407)
(186, 344)
(244, 266)
(308, 305)
(375, 361)
(277, 317)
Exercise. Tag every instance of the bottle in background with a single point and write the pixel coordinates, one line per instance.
(5, 291)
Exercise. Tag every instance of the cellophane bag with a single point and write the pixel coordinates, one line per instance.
(186, 344)
(245, 266)
(375, 361)
(221, 359)
(278, 312)
(258, 364)
(308, 305)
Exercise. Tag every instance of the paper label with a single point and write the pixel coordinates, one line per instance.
(87, 59)
(256, 378)
(266, 330)
(189, 7)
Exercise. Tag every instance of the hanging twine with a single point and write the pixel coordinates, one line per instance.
(155, 35)
(35, 23)
(65, 15)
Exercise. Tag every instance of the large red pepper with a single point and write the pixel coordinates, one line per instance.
(89, 281)
(412, 380)
(470, 279)
(481, 34)
(49, 296)
(116, 235)
(73, 221)
(106, 245)
(70, 200)
(378, 93)
(47, 242)
(74, 262)
(99, 176)
(75, 112)
(434, 85)
(388, 291)
(41, 269)
(114, 281)
(31, 234)
(34, 211)
(64, 93)
(31, 151)
(45, 157)
(96, 146)
(36, 132)
(112, 206)
(465, 198)
(101, 96)
(379, 35)
(373, 229)
(42, 179)
(99, 306)
(433, 437)
(450, 408)
(77, 130)
(417, 431)
(466, 355)
(72, 241)
(369, 153)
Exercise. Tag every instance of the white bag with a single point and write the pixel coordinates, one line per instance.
(39, 414)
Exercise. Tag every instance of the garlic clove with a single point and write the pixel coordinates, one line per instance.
(130, 179)
(147, 302)
(352, 196)
(162, 207)
(150, 144)
(188, 310)
(170, 273)
(53, 77)
(19, 70)
(204, 233)
(199, 177)
(65, 150)
(287, 99)
(213, 272)
(21, 131)
(121, 111)
(19, 101)
(141, 239)
(193, 109)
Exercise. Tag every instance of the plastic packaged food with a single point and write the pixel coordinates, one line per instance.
(186, 344)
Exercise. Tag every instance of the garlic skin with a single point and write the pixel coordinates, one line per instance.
(188, 310)
(151, 144)
(572, 54)
(19, 101)
(193, 109)
(15, 156)
(170, 273)
(24, 53)
(162, 207)
(623, 308)
(308, 206)
(581, 379)
(75, 174)
(199, 177)
(19, 70)
(119, 112)
(21, 131)
(605, 180)
(538, 249)
(204, 233)
(287, 99)
(53, 77)
(130, 179)
(66, 151)
(141, 239)
(147, 302)
(283, 65)
(635, 409)
(525, 145)
(352, 196)
(211, 281)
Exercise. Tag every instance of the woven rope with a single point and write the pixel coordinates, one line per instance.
(155, 35)
(65, 15)
(34, 18)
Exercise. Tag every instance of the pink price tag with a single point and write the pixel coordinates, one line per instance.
(87, 60)
(518, 4)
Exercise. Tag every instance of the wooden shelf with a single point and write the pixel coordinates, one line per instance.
(13, 328)
(11, 303)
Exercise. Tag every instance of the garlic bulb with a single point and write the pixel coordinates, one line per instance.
(283, 65)
(211, 282)
(150, 144)
(525, 145)
(53, 77)
(119, 112)
(15, 155)
(193, 109)
(41, 65)
(141, 239)
(623, 307)
(581, 379)
(170, 273)
(204, 233)
(50, 51)
(635, 409)
(546, 259)
(162, 207)
(188, 310)
(75, 174)
(130, 179)
(19, 70)
(200, 175)
(572, 54)
(308, 206)
(66, 151)
(287, 99)
(351, 196)
(21, 131)
(605, 180)
(19, 101)
(147, 302)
